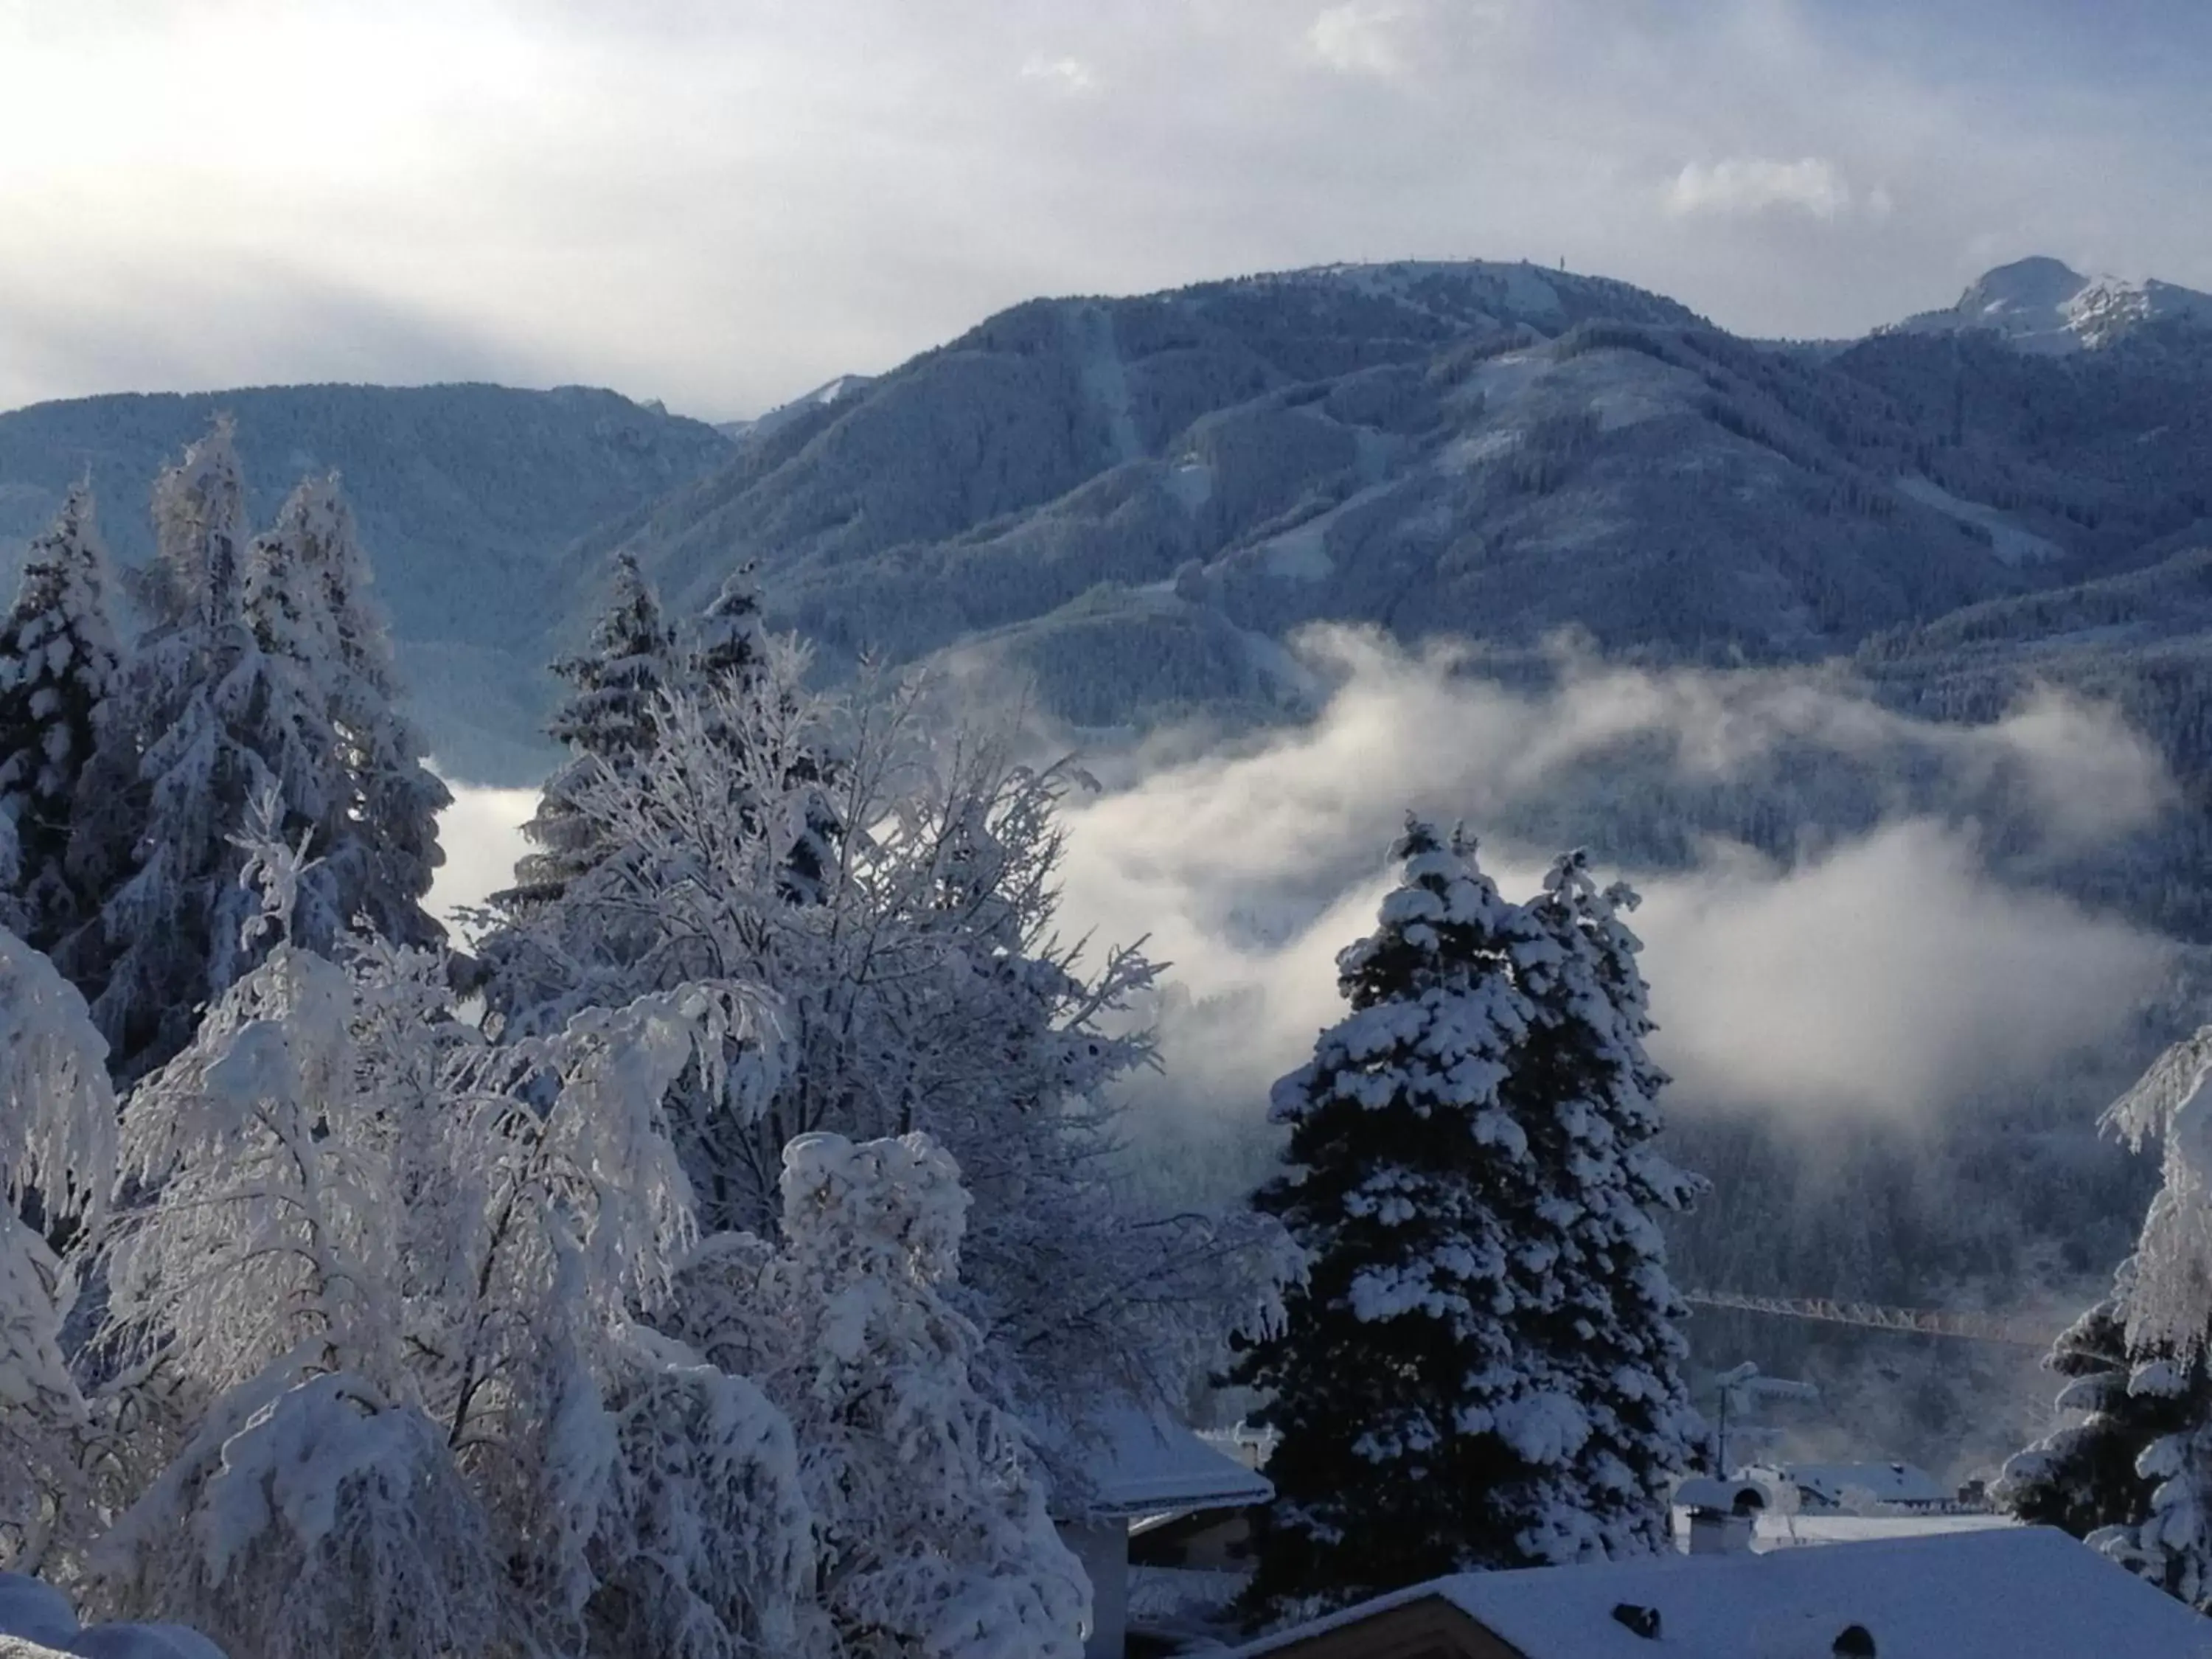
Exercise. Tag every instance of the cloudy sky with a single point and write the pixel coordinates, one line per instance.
(721, 203)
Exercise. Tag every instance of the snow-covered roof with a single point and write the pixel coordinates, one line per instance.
(2018, 1593)
(1147, 1465)
(1887, 1483)
(1774, 1531)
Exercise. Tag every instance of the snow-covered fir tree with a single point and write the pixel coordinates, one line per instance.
(266, 673)
(928, 1502)
(2134, 1476)
(311, 600)
(609, 722)
(59, 665)
(1479, 1371)
(730, 646)
(2083, 1476)
(57, 1148)
(173, 786)
(1586, 1093)
(732, 661)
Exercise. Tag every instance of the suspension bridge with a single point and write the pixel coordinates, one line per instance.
(2013, 1330)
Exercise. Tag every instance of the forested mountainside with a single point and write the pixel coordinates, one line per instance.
(1130, 501)
(1129, 504)
(465, 495)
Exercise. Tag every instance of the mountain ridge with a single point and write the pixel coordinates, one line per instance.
(2042, 304)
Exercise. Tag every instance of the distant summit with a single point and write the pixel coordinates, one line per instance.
(2044, 305)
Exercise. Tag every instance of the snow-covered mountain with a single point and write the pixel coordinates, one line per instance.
(1132, 502)
(465, 493)
(2041, 304)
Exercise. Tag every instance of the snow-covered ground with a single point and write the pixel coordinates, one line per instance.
(2011, 543)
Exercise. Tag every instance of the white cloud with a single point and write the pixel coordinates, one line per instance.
(1359, 38)
(1753, 184)
(1069, 75)
(1890, 971)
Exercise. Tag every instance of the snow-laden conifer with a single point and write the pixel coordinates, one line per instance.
(173, 777)
(1421, 1427)
(59, 665)
(1482, 1367)
(1587, 1094)
(609, 721)
(310, 597)
(2136, 1471)
(2083, 1476)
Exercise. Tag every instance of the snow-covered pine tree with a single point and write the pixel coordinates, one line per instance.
(746, 681)
(59, 664)
(2082, 1477)
(310, 597)
(730, 646)
(1424, 1427)
(928, 1503)
(58, 1142)
(2149, 1402)
(171, 782)
(609, 721)
(1586, 1094)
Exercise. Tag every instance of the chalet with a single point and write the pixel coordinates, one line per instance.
(2012, 1592)
(1149, 1473)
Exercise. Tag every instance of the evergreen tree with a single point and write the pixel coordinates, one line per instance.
(2134, 1476)
(2083, 1476)
(59, 665)
(1586, 1093)
(730, 650)
(1419, 1418)
(609, 719)
(739, 674)
(309, 597)
(1483, 1368)
(264, 685)
(174, 778)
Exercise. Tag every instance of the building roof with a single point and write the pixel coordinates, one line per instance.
(1782, 1532)
(1147, 1465)
(2016, 1593)
(1887, 1483)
